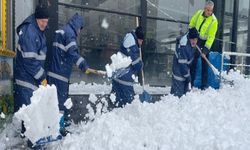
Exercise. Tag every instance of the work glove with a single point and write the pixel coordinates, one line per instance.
(44, 82)
(205, 50)
(87, 71)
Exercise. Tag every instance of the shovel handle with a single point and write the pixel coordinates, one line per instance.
(203, 55)
(142, 72)
(97, 72)
(215, 71)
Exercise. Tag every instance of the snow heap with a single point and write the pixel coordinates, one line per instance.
(41, 118)
(118, 61)
(210, 119)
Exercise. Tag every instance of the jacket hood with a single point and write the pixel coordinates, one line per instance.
(76, 22)
(29, 20)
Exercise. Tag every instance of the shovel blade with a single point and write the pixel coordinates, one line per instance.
(146, 97)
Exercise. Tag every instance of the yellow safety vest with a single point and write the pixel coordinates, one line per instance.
(208, 29)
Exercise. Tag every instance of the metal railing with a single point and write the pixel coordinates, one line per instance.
(236, 54)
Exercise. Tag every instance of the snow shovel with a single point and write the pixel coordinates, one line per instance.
(145, 96)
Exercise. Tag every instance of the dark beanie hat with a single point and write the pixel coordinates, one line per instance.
(193, 33)
(139, 33)
(41, 12)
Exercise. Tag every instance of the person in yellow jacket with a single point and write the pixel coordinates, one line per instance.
(206, 24)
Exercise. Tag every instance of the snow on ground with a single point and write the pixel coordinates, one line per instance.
(210, 119)
(86, 88)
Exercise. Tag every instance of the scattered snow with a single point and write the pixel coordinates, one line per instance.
(2, 115)
(68, 104)
(41, 118)
(92, 98)
(105, 23)
(112, 98)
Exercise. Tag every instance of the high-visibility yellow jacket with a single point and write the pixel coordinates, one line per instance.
(208, 30)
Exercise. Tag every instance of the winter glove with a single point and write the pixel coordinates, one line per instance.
(87, 71)
(205, 50)
(44, 82)
(85, 68)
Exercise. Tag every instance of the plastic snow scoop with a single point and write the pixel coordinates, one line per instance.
(97, 72)
(46, 140)
(145, 96)
(215, 71)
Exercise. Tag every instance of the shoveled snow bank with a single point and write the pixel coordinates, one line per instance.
(41, 118)
(211, 119)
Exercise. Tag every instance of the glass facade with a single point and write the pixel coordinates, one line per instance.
(242, 31)
(176, 10)
(161, 36)
(242, 26)
(165, 20)
(131, 6)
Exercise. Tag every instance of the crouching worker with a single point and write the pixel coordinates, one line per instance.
(122, 86)
(64, 55)
(181, 79)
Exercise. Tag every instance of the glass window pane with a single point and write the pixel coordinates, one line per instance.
(99, 39)
(242, 31)
(177, 9)
(228, 24)
(159, 49)
(128, 6)
(242, 25)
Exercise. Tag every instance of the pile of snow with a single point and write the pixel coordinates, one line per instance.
(118, 61)
(210, 119)
(41, 118)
